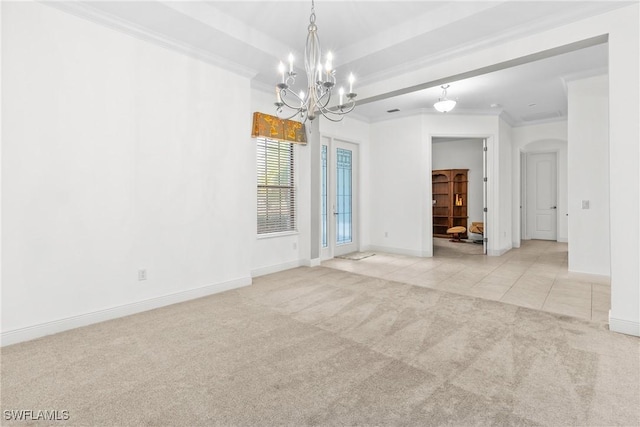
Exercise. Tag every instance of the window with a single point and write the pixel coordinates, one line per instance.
(276, 189)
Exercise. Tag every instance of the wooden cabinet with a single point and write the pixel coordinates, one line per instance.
(449, 187)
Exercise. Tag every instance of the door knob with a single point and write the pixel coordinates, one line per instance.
(554, 207)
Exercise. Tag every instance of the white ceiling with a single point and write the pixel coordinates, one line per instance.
(374, 39)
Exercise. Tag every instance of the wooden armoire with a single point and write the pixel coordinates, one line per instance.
(449, 189)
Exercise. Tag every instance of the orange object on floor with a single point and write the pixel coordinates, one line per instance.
(456, 231)
(477, 227)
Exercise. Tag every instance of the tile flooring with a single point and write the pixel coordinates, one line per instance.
(534, 275)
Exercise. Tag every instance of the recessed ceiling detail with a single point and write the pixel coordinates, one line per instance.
(388, 39)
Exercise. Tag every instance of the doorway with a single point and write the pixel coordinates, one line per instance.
(540, 210)
(468, 154)
(339, 197)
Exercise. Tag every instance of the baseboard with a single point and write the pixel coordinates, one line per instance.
(276, 268)
(622, 326)
(61, 325)
(562, 240)
(498, 252)
(315, 262)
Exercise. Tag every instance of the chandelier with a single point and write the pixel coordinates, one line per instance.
(321, 81)
(444, 105)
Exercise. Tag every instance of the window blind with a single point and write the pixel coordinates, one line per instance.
(276, 186)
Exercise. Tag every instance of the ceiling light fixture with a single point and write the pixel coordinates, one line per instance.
(321, 81)
(444, 105)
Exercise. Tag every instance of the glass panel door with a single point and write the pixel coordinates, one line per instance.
(324, 198)
(344, 200)
(344, 184)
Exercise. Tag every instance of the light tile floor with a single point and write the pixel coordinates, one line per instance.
(535, 275)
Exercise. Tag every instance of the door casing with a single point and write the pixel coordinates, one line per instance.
(538, 191)
(333, 249)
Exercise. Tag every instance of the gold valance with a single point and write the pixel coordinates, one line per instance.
(273, 127)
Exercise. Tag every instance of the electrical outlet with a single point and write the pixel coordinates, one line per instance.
(142, 274)
(585, 204)
(386, 234)
(295, 245)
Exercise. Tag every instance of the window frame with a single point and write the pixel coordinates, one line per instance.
(285, 203)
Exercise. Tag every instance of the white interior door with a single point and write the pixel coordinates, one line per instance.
(541, 198)
(340, 201)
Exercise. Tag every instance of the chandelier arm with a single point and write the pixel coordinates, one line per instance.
(347, 110)
(341, 116)
(324, 109)
(291, 116)
(283, 96)
(337, 111)
(325, 93)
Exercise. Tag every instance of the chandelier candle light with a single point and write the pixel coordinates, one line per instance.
(321, 81)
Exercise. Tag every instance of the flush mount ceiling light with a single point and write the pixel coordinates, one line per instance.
(321, 82)
(444, 105)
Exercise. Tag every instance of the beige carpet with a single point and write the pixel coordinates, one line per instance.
(316, 346)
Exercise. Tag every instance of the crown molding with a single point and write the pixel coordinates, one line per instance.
(521, 31)
(88, 12)
(417, 26)
(490, 68)
(521, 124)
(215, 17)
(603, 71)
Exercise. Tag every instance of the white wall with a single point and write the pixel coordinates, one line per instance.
(505, 183)
(400, 164)
(281, 251)
(117, 156)
(588, 179)
(398, 176)
(463, 154)
(621, 26)
(624, 156)
(546, 137)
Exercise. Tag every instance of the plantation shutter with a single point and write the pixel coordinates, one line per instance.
(276, 187)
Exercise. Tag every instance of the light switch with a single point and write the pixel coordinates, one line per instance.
(585, 204)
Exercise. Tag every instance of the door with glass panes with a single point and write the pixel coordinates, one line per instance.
(339, 204)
